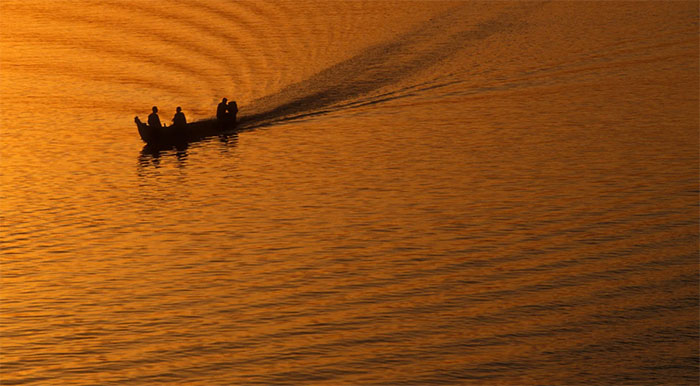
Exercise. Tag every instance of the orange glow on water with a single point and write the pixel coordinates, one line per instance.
(432, 192)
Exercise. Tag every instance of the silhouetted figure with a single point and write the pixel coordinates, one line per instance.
(221, 113)
(232, 110)
(153, 119)
(179, 120)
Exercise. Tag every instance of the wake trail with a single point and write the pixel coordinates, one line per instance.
(380, 66)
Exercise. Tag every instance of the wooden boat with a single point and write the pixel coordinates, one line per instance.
(192, 131)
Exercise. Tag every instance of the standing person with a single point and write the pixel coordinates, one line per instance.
(153, 119)
(179, 119)
(232, 111)
(221, 113)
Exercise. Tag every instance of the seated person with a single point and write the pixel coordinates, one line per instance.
(232, 109)
(179, 119)
(153, 119)
(221, 111)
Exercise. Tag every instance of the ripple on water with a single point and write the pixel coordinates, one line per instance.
(424, 193)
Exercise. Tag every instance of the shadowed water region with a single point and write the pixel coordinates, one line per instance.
(416, 193)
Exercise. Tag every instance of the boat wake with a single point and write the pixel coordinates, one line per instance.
(402, 67)
(385, 71)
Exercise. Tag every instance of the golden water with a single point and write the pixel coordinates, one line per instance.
(425, 193)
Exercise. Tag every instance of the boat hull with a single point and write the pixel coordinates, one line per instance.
(193, 131)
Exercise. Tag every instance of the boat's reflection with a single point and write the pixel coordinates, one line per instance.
(155, 154)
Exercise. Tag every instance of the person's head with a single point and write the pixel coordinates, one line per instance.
(178, 109)
(155, 109)
(224, 100)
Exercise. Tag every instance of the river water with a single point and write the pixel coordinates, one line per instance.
(423, 193)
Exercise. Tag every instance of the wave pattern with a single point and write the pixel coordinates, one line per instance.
(430, 193)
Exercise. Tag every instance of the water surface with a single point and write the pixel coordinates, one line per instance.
(424, 193)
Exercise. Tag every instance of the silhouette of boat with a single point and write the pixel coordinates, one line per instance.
(191, 132)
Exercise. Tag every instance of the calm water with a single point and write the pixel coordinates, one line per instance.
(425, 193)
